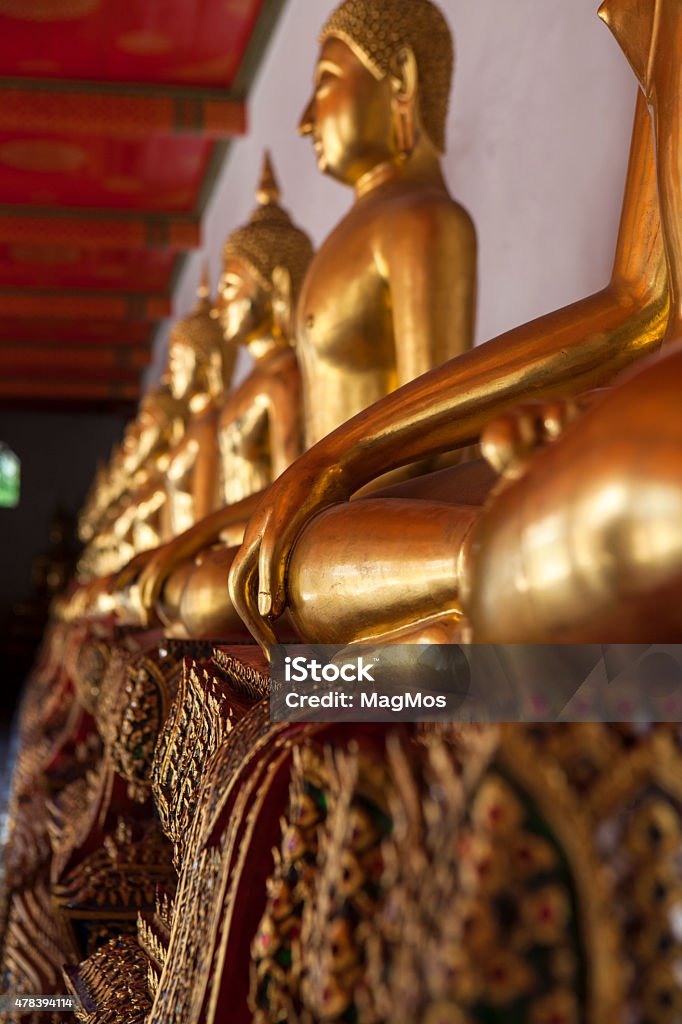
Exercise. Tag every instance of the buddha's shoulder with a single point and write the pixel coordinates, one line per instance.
(261, 379)
(431, 208)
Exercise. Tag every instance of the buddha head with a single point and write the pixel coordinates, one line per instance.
(382, 85)
(160, 420)
(198, 364)
(264, 263)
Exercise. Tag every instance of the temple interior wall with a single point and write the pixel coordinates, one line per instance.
(538, 137)
(58, 455)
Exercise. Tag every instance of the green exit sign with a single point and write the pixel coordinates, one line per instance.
(10, 477)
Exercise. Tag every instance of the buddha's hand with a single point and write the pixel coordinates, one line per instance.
(130, 572)
(156, 570)
(511, 439)
(257, 579)
(125, 591)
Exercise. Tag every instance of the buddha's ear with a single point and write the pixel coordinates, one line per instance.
(632, 23)
(215, 376)
(282, 313)
(404, 74)
(404, 86)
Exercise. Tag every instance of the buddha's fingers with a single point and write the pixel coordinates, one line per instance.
(156, 573)
(130, 572)
(150, 583)
(243, 588)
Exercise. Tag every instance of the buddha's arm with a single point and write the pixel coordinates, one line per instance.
(564, 353)
(165, 560)
(430, 266)
(663, 84)
(205, 470)
(285, 421)
(182, 460)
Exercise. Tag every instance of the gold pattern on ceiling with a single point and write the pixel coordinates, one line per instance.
(44, 255)
(48, 10)
(144, 44)
(42, 155)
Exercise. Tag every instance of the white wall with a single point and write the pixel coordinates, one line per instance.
(538, 138)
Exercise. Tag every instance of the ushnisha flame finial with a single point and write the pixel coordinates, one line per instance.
(268, 190)
(203, 289)
(269, 239)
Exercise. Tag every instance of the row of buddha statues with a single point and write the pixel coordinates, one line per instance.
(174, 855)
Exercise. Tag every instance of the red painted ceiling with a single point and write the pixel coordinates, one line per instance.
(160, 173)
(36, 265)
(189, 42)
(113, 120)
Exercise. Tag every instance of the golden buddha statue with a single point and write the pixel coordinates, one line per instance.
(391, 292)
(256, 430)
(94, 504)
(109, 508)
(264, 265)
(158, 425)
(200, 366)
(303, 555)
(138, 515)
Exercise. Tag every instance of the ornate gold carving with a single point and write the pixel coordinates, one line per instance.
(477, 826)
(346, 892)
(153, 936)
(201, 718)
(189, 953)
(28, 846)
(34, 949)
(119, 878)
(636, 816)
(112, 984)
(275, 953)
(89, 670)
(198, 909)
(150, 687)
(377, 31)
(244, 678)
(488, 840)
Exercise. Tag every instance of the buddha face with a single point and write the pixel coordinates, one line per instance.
(130, 445)
(349, 116)
(182, 364)
(149, 429)
(242, 305)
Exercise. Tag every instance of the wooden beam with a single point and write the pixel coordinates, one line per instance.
(24, 360)
(98, 229)
(31, 389)
(83, 305)
(91, 332)
(123, 111)
(77, 405)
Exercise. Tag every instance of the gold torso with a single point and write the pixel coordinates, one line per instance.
(191, 491)
(351, 349)
(248, 422)
(345, 300)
